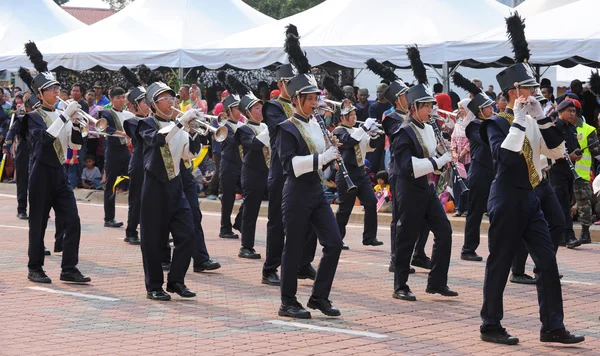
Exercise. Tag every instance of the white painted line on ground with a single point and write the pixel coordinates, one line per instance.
(328, 329)
(74, 294)
(365, 263)
(577, 282)
(15, 227)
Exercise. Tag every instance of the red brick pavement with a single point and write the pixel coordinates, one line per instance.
(234, 313)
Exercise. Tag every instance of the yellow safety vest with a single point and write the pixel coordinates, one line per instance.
(583, 167)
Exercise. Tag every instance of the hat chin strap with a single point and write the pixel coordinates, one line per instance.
(163, 115)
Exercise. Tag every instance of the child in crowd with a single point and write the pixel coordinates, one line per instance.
(90, 176)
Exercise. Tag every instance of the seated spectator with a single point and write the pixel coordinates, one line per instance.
(90, 176)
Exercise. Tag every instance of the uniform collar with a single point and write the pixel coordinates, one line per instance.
(47, 109)
(417, 123)
(253, 123)
(284, 99)
(233, 122)
(160, 119)
(299, 117)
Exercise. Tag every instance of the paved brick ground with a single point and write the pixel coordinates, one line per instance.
(235, 314)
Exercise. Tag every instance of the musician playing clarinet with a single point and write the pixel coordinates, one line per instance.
(301, 145)
(355, 143)
(416, 154)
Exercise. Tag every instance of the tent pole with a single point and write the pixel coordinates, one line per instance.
(181, 76)
(446, 77)
(537, 73)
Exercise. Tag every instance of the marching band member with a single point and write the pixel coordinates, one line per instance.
(254, 139)
(396, 94)
(355, 143)
(415, 150)
(51, 132)
(117, 154)
(301, 146)
(136, 97)
(275, 112)
(481, 172)
(231, 165)
(164, 208)
(516, 142)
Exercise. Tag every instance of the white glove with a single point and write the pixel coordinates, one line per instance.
(71, 109)
(443, 159)
(520, 110)
(535, 109)
(329, 155)
(189, 116)
(370, 124)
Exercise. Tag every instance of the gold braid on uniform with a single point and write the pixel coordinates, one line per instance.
(527, 151)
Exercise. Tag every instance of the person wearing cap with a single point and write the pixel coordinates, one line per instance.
(117, 154)
(254, 139)
(560, 174)
(275, 112)
(230, 169)
(165, 208)
(136, 97)
(51, 132)
(516, 139)
(355, 143)
(101, 99)
(481, 171)
(416, 155)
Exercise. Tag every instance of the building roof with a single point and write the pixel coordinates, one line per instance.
(89, 15)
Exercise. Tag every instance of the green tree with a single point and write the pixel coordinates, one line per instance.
(61, 2)
(279, 9)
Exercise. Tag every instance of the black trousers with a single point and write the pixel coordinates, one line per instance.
(49, 189)
(254, 187)
(276, 234)
(213, 185)
(480, 180)
(116, 164)
(376, 157)
(230, 180)
(366, 196)
(563, 187)
(190, 187)
(165, 210)
(422, 207)
(136, 180)
(516, 216)
(555, 218)
(304, 204)
(22, 168)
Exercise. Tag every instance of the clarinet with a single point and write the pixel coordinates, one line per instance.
(441, 142)
(340, 161)
(576, 176)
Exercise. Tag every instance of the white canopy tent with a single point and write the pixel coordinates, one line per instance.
(33, 20)
(534, 7)
(347, 32)
(151, 32)
(550, 42)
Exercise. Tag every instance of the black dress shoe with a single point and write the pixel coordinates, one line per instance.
(158, 295)
(180, 289)
(166, 266)
(585, 241)
(324, 305)
(471, 256)
(47, 252)
(499, 337)
(404, 294)
(228, 235)
(345, 247)
(248, 253)
(573, 242)
(423, 262)
(561, 336)
(208, 265)
(113, 223)
(373, 242)
(295, 310)
(38, 276)
(74, 276)
(522, 279)
(271, 279)
(444, 290)
(22, 216)
(307, 272)
(132, 240)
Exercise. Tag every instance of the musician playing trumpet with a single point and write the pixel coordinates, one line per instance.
(416, 155)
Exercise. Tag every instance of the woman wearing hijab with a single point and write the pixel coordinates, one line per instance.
(461, 153)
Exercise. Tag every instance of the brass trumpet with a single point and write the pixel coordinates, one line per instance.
(205, 128)
(85, 119)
